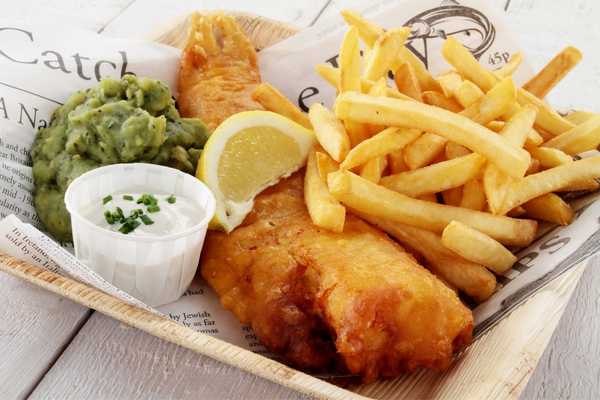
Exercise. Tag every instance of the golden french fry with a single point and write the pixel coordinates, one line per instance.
(379, 89)
(428, 197)
(495, 126)
(439, 100)
(494, 103)
(545, 135)
(439, 158)
(464, 62)
(496, 182)
(516, 212)
(511, 66)
(533, 138)
(549, 157)
(587, 185)
(471, 278)
(332, 76)
(452, 197)
(368, 31)
(349, 61)
(329, 132)
(324, 210)
(551, 208)
(450, 82)
(407, 82)
(466, 65)
(547, 119)
(385, 50)
(325, 165)
(424, 150)
(541, 84)
(426, 81)
(468, 93)
(495, 186)
(478, 247)
(368, 197)
(473, 195)
(534, 167)
(396, 162)
(357, 132)
(551, 180)
(518, 127)
(410, 114)
(453, 150)
(273, 100)
(583, 137)
(436, 177)
(373, 169)
(579, 117)
(385, 142)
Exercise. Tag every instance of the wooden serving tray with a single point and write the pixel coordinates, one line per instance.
(497, 365)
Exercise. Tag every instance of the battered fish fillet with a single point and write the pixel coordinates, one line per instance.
(319, 297)
(218, 72)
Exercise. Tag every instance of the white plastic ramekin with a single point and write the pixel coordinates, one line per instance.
(156, 270)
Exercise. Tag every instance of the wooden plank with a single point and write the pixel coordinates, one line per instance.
(141, 19)
(35, 327)
(89, 14)
(108, 360)
(569, 368)
(164, 328)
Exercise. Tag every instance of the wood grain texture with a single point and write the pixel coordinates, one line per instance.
(35, 326)
(109, 360)
(569, 368)
(89, 14)
(166, 329)
(161, 15)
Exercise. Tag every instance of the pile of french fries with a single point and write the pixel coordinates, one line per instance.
(454, 167)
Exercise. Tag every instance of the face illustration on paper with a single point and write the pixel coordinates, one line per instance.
(432, 27)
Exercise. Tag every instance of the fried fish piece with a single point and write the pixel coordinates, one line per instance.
(218, 70)
(318, 297)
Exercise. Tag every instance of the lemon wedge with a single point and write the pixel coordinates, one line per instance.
(247, 153)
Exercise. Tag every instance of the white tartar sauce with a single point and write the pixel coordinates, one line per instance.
(173, 217)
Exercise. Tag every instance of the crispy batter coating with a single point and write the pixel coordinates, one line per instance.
(317, 296)
(320, 299)
(218, 71)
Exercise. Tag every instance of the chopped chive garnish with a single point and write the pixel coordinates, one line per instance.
(147, 200)
(153, 208)
(146, 219)
(129, 226)
(131, 222)
(109, 218)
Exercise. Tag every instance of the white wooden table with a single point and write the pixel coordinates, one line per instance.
(51, 348)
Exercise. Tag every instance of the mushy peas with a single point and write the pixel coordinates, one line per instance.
(118, 121)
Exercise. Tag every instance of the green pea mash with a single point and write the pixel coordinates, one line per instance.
(119, 121)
